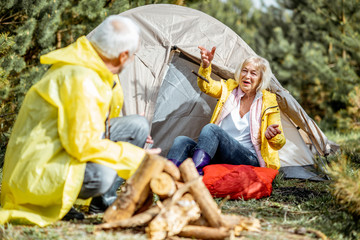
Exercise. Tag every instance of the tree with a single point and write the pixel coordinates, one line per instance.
(325, 64)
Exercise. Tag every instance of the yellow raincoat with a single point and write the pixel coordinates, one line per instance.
(270, 114)
(58, 130)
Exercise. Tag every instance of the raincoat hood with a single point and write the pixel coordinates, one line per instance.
(80, 53)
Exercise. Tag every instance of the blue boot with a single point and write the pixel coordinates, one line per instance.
(201, 159)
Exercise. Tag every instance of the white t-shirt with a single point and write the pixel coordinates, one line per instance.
(238, 128)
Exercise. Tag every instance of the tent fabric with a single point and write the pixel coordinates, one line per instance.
(239, 181)
(306, 172)
(160, 84)
(295, 152)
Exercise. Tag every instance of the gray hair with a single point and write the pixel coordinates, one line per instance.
(262, 65)
(116, 34)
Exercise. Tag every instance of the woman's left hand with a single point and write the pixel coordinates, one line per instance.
(272, 131)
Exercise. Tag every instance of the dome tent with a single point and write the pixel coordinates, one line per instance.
(160, 83)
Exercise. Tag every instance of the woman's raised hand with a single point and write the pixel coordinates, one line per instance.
(206, 56)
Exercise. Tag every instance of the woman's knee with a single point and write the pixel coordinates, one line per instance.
(182, 141)
(210, 129)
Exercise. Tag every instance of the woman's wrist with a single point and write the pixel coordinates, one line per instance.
(203, 65)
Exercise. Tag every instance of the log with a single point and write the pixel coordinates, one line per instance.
(128, 200)
(144, 205)
(232, 221)
(201, 194)
(249, 224)
(137, 220)
(179, 184)
(201, 221)
(241, 223)
(173, 217)
(163, 185)
(172, 170)
(201, 232)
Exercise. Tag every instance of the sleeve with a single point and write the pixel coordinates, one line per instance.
(279, 140)
(85, 101)
(213, 88)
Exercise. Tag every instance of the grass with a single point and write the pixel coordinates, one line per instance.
(296, 209)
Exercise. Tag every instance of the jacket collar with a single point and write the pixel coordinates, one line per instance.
(80, 53)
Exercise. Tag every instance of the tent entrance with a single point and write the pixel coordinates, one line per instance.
(181, 108)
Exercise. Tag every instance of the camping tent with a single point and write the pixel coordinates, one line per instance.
(160, 83)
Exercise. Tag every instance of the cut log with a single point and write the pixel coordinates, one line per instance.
(179, 184)
(172, 170)
(163, 185)
(240, 222)
(231, 221)
(137, 220)
(200, 232)
(201, 194)
(201, 221)
(173, 217)
(144, 205)
(128, 200)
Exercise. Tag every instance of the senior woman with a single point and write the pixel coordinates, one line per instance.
(245, 127)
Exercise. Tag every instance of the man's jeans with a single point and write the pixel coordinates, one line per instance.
(98, 178)
(221, 147)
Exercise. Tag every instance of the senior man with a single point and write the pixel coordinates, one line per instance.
(68, 141)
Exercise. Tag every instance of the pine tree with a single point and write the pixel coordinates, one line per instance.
(328, 37)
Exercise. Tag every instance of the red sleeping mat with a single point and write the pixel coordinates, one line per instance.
(239, 181)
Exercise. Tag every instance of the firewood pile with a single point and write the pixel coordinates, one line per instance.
(184, 207)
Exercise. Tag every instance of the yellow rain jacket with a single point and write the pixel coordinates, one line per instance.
(270, 114)
(58, 130)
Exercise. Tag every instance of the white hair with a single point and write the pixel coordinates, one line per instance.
(116, 34)
(260, 64)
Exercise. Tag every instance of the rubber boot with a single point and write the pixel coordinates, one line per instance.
(201, 159)
(101, 203)
(176, 162)
(73, 214)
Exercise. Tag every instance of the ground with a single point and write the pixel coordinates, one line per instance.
(296, 209)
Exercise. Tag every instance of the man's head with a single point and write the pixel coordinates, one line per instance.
(116, 40)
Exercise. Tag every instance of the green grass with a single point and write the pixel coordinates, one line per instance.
(296, 204)
(296, 210)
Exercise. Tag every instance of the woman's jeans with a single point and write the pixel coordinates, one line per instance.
(221, 147)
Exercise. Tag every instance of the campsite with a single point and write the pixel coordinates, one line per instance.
(314, 195)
